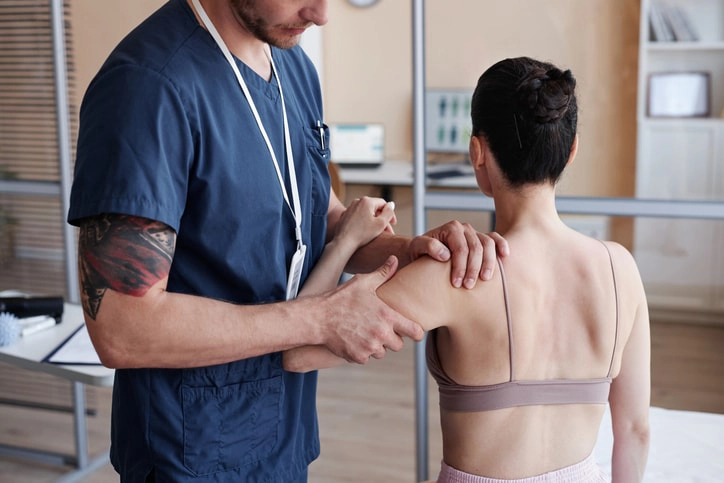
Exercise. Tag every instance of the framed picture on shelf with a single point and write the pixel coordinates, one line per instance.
(679, 94)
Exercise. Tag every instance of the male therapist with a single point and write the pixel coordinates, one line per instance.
(202, 196)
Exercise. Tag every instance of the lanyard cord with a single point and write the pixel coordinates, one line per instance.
(297, 209)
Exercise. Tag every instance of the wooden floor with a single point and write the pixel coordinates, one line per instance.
(367, 413)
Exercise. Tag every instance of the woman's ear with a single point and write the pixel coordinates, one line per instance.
(476, 151)
(479, 158)
(574, 150)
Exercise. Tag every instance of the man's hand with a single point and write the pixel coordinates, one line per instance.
(359, 325)
(473, 254)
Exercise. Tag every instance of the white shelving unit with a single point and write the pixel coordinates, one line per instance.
(682, 158)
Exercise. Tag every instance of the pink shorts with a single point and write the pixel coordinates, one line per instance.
(586, 471)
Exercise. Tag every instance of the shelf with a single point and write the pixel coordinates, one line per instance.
(681, 157)
(698, 46)
(684, 121)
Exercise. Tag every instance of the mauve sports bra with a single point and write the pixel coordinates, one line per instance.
(456, 397)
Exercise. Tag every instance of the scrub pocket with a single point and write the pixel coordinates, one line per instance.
(231, 426)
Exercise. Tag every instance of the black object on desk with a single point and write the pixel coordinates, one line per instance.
(449, 170)
(449, 173)
(31, 306)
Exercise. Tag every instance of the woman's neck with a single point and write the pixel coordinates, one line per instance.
(531, 208)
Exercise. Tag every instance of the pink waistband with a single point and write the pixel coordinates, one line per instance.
(585, 471)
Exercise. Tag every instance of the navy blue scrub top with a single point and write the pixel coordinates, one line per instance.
(167, 134)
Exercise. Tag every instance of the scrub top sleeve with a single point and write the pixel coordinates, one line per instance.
(135, 148)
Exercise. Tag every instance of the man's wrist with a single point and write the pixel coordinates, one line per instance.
(369, 257)
(312, 311)
(403, 251)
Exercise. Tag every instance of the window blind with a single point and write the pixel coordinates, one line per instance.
(32, 250)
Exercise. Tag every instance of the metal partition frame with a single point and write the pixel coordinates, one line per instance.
(64, 146)
(419, 222)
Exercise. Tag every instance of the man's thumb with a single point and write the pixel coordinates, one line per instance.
(387, 270)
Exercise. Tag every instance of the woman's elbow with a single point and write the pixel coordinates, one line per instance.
(292, 362)
(636, 432)
(642, 433)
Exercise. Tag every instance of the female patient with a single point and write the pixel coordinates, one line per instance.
(526, 362)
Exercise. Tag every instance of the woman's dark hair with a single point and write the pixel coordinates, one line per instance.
(527, 111)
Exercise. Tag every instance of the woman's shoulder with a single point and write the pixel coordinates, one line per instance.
(423, 291)
(629, 285)
(435, 277)
(622, 258)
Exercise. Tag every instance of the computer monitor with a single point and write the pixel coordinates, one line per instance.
(447, 124)
(357, 144)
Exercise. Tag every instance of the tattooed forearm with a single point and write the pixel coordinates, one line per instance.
(123, 253)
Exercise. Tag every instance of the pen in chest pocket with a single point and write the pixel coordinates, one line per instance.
(320, 127)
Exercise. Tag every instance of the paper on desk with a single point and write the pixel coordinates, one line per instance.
(77, 349)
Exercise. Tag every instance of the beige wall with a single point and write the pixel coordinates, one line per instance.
(367, 72)
(98, 25)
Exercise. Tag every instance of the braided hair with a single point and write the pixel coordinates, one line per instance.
(527, 111)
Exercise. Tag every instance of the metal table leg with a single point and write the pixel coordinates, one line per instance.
(84, 466)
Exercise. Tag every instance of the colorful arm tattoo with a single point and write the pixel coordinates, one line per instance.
(126, 254)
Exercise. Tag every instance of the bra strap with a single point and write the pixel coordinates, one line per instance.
(508, 318)
(615, 292)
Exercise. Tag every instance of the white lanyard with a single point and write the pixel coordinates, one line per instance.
(297, 209)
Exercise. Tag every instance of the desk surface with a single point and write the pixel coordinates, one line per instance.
(399, 173)
(29, 352)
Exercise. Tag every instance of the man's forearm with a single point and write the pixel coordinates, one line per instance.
(370, 256)
(172, 330)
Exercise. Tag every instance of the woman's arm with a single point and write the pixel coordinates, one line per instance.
(422, 292)
(362, 221)
(408, 293)
(631, 389)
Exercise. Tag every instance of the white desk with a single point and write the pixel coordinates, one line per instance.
(28, 353)
(399, 173)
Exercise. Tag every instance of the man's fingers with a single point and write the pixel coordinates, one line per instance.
(459, 260)
(379, 354)
(494, 245)
(395, 343)
(408, 328)
(432, 247)
(501, 244)
(379, 328)
(475, 257)
(489, 258)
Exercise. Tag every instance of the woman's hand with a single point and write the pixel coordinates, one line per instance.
(363, 220)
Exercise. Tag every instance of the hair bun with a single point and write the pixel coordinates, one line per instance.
(546, 95)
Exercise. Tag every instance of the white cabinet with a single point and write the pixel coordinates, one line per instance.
(681, 260)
